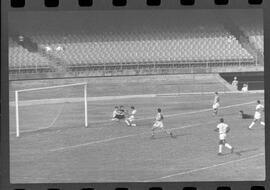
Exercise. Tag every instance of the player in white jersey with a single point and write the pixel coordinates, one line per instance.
(235, 83)
(223, 129)
(115, 113)
(158, 124)
(130, 120)
(216, 104)
(258, 114)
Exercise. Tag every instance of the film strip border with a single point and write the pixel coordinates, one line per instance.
(97, 4)
(126, 3)
(145, 187)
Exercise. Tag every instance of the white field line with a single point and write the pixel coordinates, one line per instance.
(77, 99)
(148, 118)
(126, 136)
(178, 114)
(121, 137)
(199, 111)
(205, 168)
(211, 93)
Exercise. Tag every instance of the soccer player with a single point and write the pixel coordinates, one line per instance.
(158, 124)
(223, 129)
(130, 120)
(122, 112)
(216, 104)
(245, 88)
(235, 83)
(258, 115)
(118, 113)
(115, 114)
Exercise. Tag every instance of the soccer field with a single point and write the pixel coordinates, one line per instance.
(54, 145)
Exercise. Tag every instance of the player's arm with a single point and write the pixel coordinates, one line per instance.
(228, 130)
(216, 129)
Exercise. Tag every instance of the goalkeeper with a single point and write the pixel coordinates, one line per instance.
(118, 113)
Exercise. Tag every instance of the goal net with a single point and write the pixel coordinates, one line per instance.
(49, 108)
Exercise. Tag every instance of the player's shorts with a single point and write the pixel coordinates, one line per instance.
(222, 136)
(257, 115)
(222, 142)
(158, 124)
(131, 118)
(216, 106)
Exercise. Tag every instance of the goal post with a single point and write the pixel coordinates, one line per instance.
(18, 92)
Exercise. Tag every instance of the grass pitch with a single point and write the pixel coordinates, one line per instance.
(55, 147)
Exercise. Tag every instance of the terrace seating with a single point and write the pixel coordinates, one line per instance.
(157, 44)
(219, 48)
(254, 32)
(21, 58)
(257, 40)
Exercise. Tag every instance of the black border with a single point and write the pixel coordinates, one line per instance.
(38, 5)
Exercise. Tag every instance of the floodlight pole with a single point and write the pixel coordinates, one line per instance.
(85, 106)
(17, 114)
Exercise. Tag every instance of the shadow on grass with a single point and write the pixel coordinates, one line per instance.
(162, 136)
(240, 152)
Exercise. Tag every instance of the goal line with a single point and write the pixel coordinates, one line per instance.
(18, 92)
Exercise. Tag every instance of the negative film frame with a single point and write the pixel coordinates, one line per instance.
(35, 5)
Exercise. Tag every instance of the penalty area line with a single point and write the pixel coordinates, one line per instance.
(205, 168)
(200, 111)
(121, 137)
(127, 136)
(142, 119)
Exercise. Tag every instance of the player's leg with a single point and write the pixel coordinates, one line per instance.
(220, 145)
(133, 124)
(115, 118)
(153, 132)
(215, 109)
(262, 123)
(161, 126)
(154, 127)
(167, 131)
(252, 124)
(127, 121)
(227, 145)
(132, 121)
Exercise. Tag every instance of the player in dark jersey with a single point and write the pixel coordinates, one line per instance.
(119, 113)
(122, 112)
(158, 124)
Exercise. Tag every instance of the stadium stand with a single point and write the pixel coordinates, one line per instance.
(252, 28)
(140, 41)
(21, 58)
(210, 45)
(257, 40)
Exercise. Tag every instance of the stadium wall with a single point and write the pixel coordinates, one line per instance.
(145, 70)
(255, 80)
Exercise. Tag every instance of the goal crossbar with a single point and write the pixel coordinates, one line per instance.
(46, 88)
(51, 87)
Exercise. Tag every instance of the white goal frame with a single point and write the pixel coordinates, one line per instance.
(50, 87)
